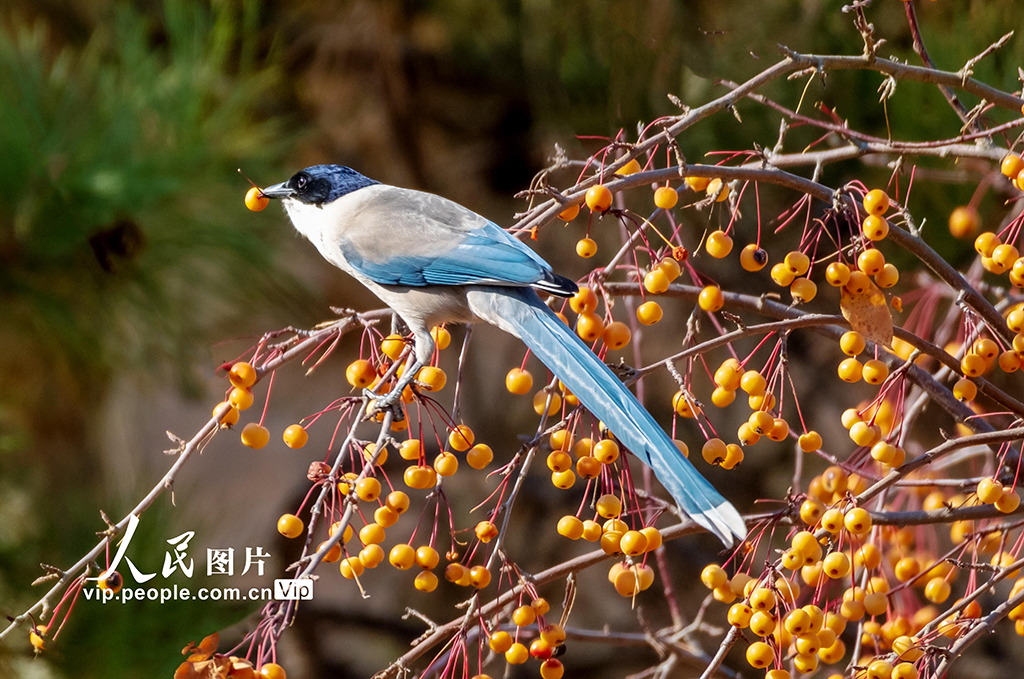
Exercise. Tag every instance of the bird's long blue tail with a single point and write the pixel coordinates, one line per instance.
(520, 312)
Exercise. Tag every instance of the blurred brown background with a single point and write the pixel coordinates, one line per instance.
(129, 268)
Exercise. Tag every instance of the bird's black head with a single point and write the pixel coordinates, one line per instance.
(319, 184)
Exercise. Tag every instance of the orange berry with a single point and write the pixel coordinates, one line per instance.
(760, 654)
(876, 202)
(571, 527)
(242, 375)
(803, 290)
(240, 398)
(1011, 165)
(810, 442)
(711, 299)
(875, 228)
(875, 372)
(599, 198)
(631, 167)
(519, 381)
(589, 326)
(797, 263)
(586, 248)
(857, 521)
(272, 671)
(719, 244)
(649, 313)
(524, 616)
(697, 183)
(517, 654)
(837, 274)
(360, 374)
(616, 335)
(500, 641)
(552, 668)
(986, 243)
(656, 282)
(229, 417)
(432, 379)
(295, 436)
(461, 438)
(446, 464)
(479, 456)
(718, 189)
(666, 197)
(569, 213)
(479, 577)
(964, 222)
(290, 526)
(584, 301)
(255, 436)
(762, 624)
(753, 258)
(871, 261)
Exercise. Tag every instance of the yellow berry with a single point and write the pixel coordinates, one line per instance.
(760, 654)
(569, 213)
(810, 442)
(461, 438)
(697, 183)
(360, 374)
(656, 282)
(479, 456)
(666, 197)
(717, 189)
(753, 258)
(616, 335)
(1011, 165)
(782, 276)
(290, 526)
(803, 290)
(255, 435)
(797, 263)
(711, 299)
(589, 327)
(875, 372)
(875, 228)
(518, 381)
(649, 313)
(586, 248)
(230, 415)
(876, 202)
(964, 222)
(242, 375)
(570, 527)
(719, 244)
(837, 274)
(599, 198)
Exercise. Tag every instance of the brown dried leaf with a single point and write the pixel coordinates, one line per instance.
(186, 671)
(868, 314)
(206, 648)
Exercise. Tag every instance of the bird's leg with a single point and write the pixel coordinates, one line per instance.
(423, 351)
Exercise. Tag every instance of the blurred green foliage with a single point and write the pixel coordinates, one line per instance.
(121, 250)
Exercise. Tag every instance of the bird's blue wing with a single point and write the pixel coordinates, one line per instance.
(483, 256)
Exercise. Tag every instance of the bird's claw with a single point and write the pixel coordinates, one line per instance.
(389, 401)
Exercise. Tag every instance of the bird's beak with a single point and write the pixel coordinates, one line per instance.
(281, 190)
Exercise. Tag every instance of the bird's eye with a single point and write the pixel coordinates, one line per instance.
(301, 182)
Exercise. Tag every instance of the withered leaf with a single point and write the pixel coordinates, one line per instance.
(868, 314)
(207, 647)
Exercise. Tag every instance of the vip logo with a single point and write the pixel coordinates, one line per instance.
(293, 590)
